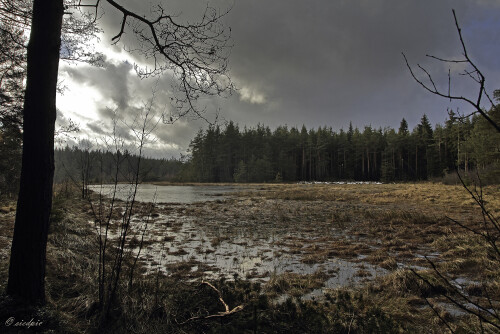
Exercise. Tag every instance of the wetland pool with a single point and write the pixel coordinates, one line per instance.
(167, 194)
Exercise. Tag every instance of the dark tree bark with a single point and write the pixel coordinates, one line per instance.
(28, 256)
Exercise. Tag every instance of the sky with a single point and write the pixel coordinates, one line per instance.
(293, 62)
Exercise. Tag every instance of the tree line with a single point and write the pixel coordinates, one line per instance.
(231, 154)
(12, 76)
(84, 166)
(259, 154)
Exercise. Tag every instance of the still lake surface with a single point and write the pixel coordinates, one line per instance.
(167, 194)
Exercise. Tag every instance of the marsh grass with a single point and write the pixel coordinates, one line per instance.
(294, 284)
(387, 224)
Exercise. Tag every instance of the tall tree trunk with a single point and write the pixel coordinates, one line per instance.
(362, 164)
(303, 167)
(310, 163)
(318, 166)
(446, 154)
(416, 162)
(466, 161)
(393, 162)
(439, 151)
(27, 261)
(344, 166)
(402, 168)
(368, 162)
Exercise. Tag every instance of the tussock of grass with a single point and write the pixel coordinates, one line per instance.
(295, 284)
(389, 264)
(404, 282)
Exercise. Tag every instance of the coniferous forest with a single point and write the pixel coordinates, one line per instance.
(230, 154)
(227, 154)
(96, 166)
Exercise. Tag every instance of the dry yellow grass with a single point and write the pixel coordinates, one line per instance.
(426, 196)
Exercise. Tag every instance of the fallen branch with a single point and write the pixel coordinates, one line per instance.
(218, 314)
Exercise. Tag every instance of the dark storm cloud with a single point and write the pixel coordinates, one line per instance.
(341, 60)
(318, 62)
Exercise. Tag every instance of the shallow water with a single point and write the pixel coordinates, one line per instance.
(167, 194)
(219, 250)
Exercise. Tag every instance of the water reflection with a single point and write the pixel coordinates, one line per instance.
(167, 194)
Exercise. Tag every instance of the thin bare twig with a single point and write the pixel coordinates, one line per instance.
(432, 88)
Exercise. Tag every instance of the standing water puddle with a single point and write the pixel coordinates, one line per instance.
(177, 242)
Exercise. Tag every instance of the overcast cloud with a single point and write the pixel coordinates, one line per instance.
(297, 62)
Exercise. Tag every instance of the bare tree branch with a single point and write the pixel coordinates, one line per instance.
(196, 53)
(475, 103)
